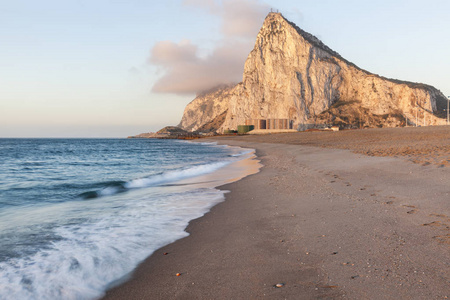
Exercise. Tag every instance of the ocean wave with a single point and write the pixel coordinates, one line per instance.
(244, 152)
(209, 143)
(172, 176)
(154, 180)
(111, 241)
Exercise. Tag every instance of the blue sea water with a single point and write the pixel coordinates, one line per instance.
(79, 214)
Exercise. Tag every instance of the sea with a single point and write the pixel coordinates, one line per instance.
(78, 215)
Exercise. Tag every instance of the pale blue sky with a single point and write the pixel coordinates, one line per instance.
(86, 68)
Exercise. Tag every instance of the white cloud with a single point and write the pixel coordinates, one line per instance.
(185, 71)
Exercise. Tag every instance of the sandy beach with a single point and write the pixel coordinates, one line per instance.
(362, 214)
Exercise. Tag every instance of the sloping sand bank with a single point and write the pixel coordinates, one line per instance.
(326, 223)
(423, 145)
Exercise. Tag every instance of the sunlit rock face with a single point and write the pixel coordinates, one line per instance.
(290, 74)
(205, 108)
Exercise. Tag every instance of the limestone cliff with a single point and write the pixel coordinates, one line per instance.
(290, 74)
(206, 108)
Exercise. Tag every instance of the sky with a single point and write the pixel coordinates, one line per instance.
(114, 68)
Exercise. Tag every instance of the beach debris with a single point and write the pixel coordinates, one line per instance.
(165, 253)
(178, 274)
(334, 253)
(278, 285)
(355, 276)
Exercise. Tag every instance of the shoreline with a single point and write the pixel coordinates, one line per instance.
(246, 164)
(326, 223)
(249, 164)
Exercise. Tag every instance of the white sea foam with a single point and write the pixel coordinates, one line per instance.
(243, 152)
(172, 176)
(94, 253)
(111, 190)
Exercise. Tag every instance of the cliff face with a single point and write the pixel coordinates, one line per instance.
(206, 108)
(290, 74)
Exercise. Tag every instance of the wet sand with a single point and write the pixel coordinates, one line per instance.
(326, 223)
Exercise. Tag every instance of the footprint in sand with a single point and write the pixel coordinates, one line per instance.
(440, 216)
(433, 224)
(442, 239)
(412, 211)
(409, 206)
(437, 224)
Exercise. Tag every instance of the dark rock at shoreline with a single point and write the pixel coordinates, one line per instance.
(168, 132)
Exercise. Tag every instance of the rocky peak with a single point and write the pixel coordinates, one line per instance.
(291, 74)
